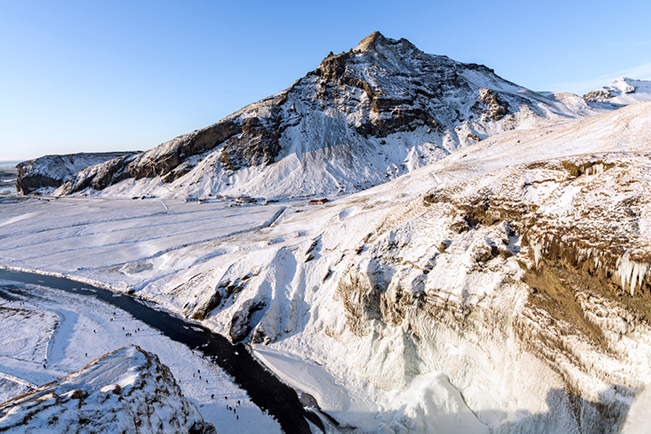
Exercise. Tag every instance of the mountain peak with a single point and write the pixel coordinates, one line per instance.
(624, 79)
(375, 40)
(384, 102)
(370, 42)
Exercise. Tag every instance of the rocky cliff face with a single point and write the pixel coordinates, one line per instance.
(51, 171)
(128, 390)
(361, 118)
(515, 262)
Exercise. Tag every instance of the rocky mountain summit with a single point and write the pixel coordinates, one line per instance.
(361, 118)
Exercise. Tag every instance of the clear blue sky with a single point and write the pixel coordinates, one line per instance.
(122, 75)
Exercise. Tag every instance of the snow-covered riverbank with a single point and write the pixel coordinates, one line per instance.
(51, 333)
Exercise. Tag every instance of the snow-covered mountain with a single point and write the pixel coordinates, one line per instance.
(128, 390)
(361, 118)
(501, 289)
(50, 171)
(623, 91)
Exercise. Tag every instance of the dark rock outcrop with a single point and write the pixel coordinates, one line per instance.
(53, 170)
(161, 161)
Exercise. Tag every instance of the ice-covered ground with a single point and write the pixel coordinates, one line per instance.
(52, 333)
(121, 238)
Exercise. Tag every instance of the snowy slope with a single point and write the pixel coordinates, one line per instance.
(503, 288)
(362, 118)
(441, 284)
(624, 91)
(128, 390)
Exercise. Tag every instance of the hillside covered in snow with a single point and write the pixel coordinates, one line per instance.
(362, 118)
(483, 264)
(504, 288)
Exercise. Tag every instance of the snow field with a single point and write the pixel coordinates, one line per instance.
(109, 234)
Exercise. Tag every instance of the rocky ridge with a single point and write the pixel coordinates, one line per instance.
(361, 118)
(49, 172)
(623, 91)
(128, 390)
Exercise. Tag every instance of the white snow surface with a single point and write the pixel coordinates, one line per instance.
(306, 278)
(128, 390)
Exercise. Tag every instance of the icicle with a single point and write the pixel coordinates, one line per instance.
(595, 169)
(630, 272)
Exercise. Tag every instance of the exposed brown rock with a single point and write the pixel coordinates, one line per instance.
(492, 105)
(598, 95)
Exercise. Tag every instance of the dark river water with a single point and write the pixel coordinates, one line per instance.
(264, 389)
